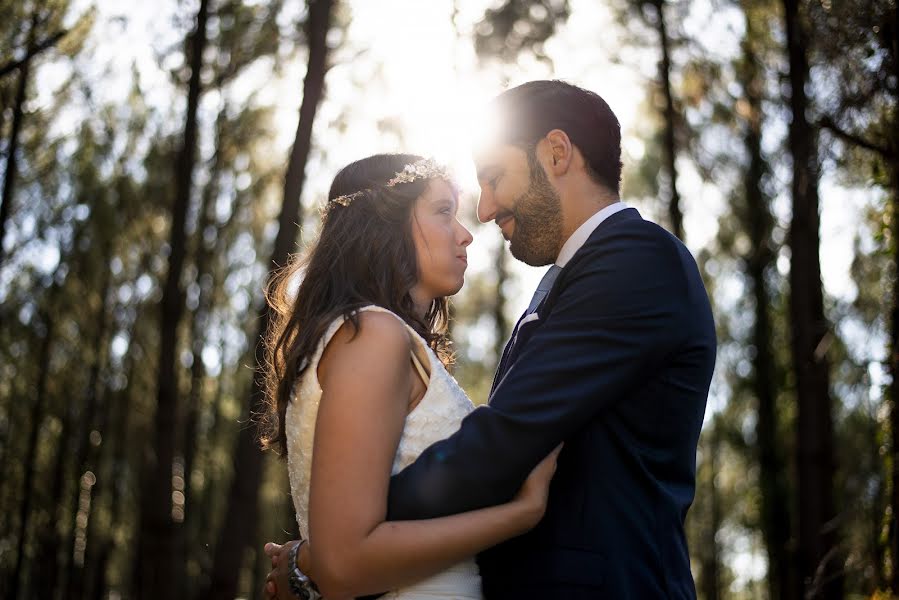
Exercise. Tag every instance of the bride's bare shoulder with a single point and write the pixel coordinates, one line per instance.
(380, 340)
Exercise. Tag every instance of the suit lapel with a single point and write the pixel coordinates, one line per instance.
(546, 305)
(507, 349)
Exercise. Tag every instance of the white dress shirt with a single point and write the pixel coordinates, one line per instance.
(574, 243)
(580, 235)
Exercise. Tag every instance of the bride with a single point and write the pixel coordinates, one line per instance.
(358, 387)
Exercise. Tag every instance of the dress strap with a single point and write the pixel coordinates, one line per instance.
(422, 371)
(419, 351)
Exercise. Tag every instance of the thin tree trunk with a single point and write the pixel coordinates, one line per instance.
(211, 498)
(501, 325)
(774, 496)
(239, 527)
(97, 459)
(118, 453)
(55, 543)
(101, 543)
(819, 564)
(675, 215)
(204, 253)
(894, 330)
(12, 148)
(894, 376)
(85, 455)
(161, 558)
(37, 418)
(711, 577)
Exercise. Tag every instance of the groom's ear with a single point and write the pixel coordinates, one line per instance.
(560, 152)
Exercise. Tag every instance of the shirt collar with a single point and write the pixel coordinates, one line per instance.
(580, 235)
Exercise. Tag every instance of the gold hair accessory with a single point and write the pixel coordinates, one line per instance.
(427, 168)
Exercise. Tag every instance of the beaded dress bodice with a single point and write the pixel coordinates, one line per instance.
(436, 416)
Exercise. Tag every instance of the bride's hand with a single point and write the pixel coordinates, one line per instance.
(534, 492)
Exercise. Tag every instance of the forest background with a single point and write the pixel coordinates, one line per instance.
(159, 159)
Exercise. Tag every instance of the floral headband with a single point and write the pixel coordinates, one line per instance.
(427, 168)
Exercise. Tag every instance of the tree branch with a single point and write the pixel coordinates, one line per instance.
(828, 124)
(37, 49)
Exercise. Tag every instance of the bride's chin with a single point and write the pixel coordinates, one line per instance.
(458, 287)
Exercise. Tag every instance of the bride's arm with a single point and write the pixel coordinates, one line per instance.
(366, 381)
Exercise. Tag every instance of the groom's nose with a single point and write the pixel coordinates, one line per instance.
(486, 206)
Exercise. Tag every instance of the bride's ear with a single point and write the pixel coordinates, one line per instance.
(559, 152)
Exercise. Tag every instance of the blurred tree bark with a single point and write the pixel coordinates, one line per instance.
(87, 453)
(710, 555)
(239, 526)
(160, 558)
(819, 558)
(654, 15)
(675, 215)
(36, 419)
(12, 148)
(775, 520)
(500, 323)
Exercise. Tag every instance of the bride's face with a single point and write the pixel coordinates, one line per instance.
(440, 243)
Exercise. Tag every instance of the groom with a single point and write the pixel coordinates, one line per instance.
(614, 357)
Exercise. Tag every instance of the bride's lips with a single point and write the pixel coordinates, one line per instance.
(463, 258)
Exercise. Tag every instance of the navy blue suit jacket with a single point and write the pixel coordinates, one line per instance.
(618, 367)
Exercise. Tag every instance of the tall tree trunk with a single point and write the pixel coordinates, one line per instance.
(37, 418)
(711, 577)
(894, 377)
(775, 519)
(12, 148)
(894, 326)
(819, 564)
(211, 498)
(203, 253)
(161, 557)
(239, 527)
(675, 215)
(97, 457)
(85, 455)
(118, 455)
(55, 544)
(111, 464)
(501, 325)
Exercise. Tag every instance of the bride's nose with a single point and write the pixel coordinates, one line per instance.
(465, 238)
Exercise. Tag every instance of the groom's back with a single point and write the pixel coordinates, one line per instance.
(614, 523)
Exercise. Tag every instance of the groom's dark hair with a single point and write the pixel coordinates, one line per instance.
(531, 110)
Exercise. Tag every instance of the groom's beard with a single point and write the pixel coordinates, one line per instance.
(538, 220)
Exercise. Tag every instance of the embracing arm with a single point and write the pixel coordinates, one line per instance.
(366, 382)
(612, 322)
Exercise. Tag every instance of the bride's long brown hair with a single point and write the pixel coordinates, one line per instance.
(364, 255)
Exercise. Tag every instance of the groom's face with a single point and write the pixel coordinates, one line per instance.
(517, 195)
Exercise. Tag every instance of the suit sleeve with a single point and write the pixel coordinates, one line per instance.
(616, 316)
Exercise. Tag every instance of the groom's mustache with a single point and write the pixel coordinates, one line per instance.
(501, 217)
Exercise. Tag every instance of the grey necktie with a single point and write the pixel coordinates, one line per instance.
(546, 284)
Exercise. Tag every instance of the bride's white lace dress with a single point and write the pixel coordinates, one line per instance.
(436, 417)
